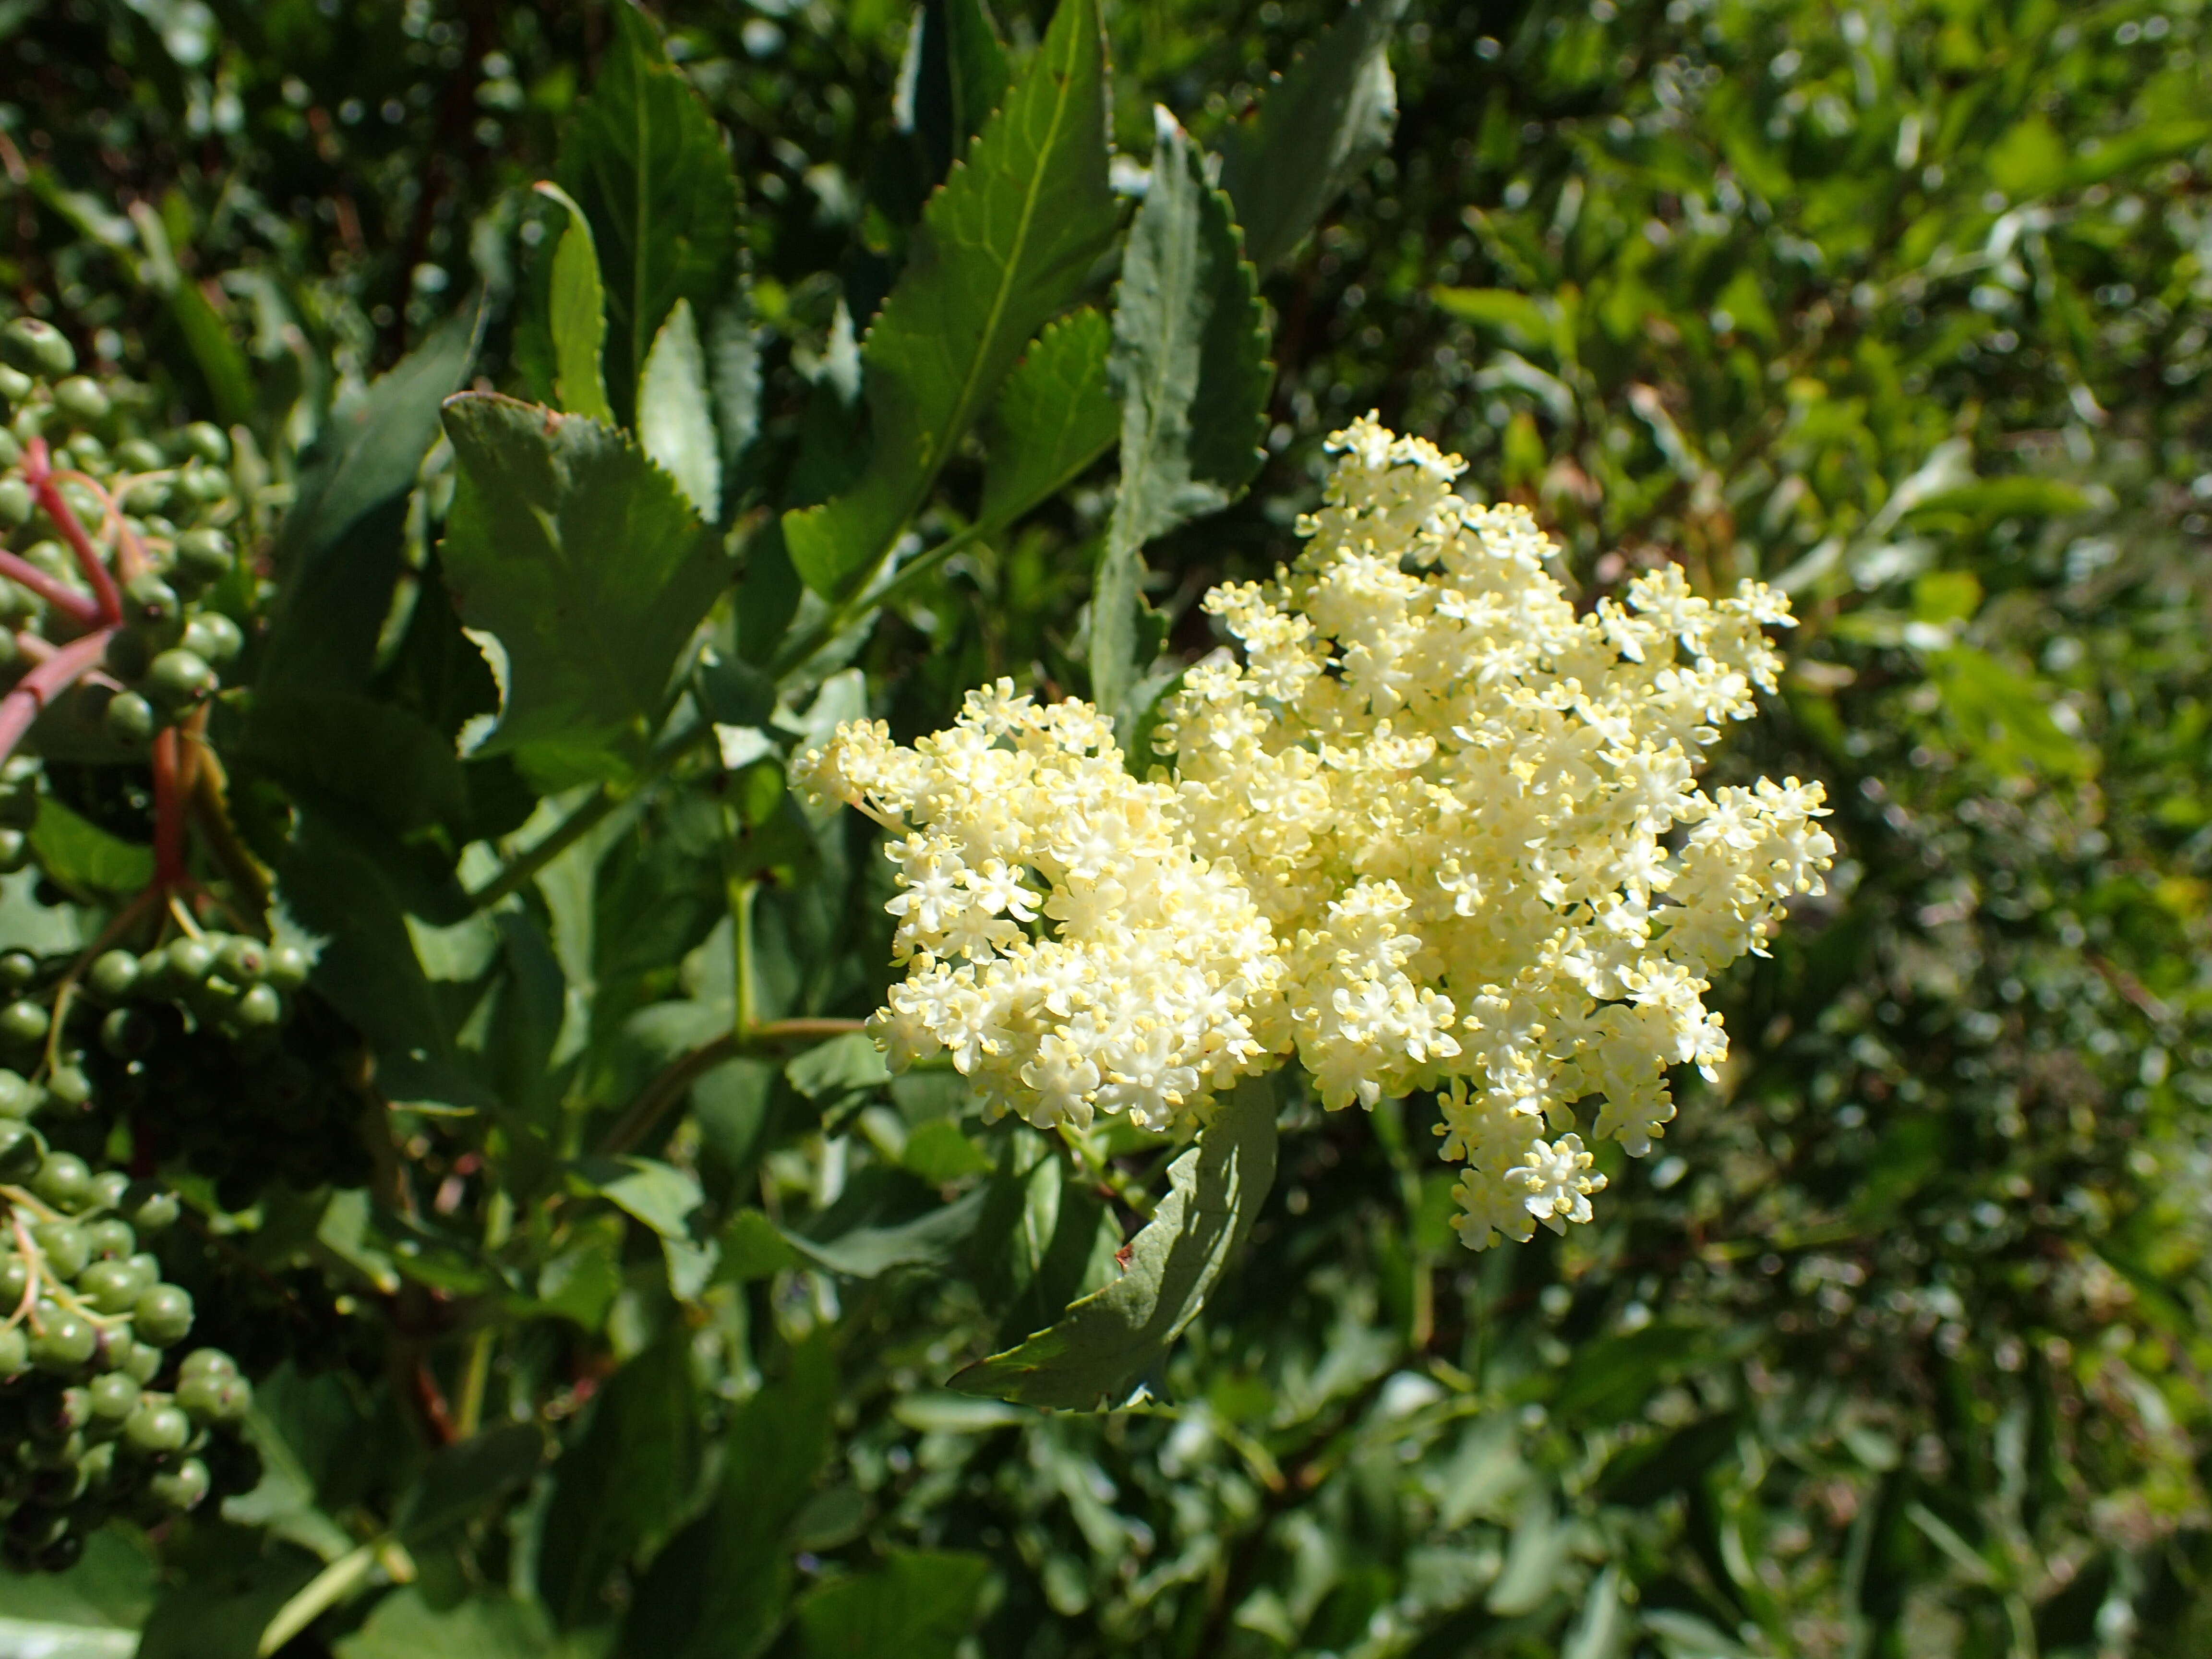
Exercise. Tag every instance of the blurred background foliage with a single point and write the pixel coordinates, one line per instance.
(1897, 1346)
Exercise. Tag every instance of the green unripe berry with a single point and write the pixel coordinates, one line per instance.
(81, 399)
(14, 1280)
(64, 1247)
(37, 348)
(154, 1428)
(17, 969)
(204, 556)
(67, 1342)
(23, 1022)
(205, 484)
(69, 1084)
(21, 1150)
(191, 960)
(178, 679)
(15, 851)
(14, 387)
(65, 1181)
(111, 1238)
(151, 600)
(207, 442)
(113, 974)
(260, 1008)
(17, 503)
(130, 720)
(243, 961)
(155, 1212)
(14, 1351)
(288, 968)
(108, 1186)
(215, 637)
(138, 455)
(112, 1287)
(183, 1488)
(206, 1362)
(113, 1395)
(163, 1315)
(139, 1361)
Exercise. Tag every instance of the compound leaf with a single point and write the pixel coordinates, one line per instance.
(1055, 415)
(1003, 245)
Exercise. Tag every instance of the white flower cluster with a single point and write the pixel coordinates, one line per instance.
(1437, 831)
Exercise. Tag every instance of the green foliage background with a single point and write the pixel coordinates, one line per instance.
(1897, 1347)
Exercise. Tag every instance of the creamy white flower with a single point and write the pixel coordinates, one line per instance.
(1435, 831)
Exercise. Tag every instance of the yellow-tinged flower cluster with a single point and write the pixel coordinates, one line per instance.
(1436, 831)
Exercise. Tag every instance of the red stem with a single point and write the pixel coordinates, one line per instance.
(38, 471)
(170, 796)
(58, 594)
(40, 686)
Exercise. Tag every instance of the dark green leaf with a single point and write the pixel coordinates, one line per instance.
(1002, 247)
(625, 1483)
(1313, 132)
(464, 1477)
(718, 1591)
(346, 752)
(659, 1195)
(886, 1218)
(583, 560)
(646, 160)
(1055, 415)
(1189, 363)
(917, 1605)
(1112, 1337)
(339, 551)
(404, 1624)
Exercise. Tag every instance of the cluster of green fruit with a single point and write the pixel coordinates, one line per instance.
(165, 504)
(88, 1335)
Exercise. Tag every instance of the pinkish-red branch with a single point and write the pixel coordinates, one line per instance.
(38, 688)
(58, 594)
(39, 473)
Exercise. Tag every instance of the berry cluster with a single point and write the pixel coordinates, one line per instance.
(88, 1333)
(80, 470)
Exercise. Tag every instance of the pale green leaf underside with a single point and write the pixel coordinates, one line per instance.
(1002, 247)
(675, 418)
(578, 316)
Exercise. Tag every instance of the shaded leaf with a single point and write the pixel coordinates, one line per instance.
(85, 860)
(886, 1218)
(1112, 1337)
(1313, 132)
(404, 1624)
(582, 559)
(463, 1478)
(954, 77)
(659, 1195)
(917, 1605)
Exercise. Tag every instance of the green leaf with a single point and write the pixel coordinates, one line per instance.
(582, 558)
(1523, 320)
(754, 1248)
(659, 1195)
(1314, 132)
(675, 419)
(1987, 499)
(93, 1609)
(354, 755)
(917, 1605)
(719, 1589)
(1055, 415)
(887, 1218)
(1189, 362)
(338, 553)
(79, 856)
(463, 1478)
(492, 1626)
(1112, 1337)
(578, 316)
(844, 1065)
(646, 160)
(221, 364)
(625, 1483)
(1003, 245)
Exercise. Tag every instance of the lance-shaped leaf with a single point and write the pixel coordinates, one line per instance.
(675, 422)
(1002, 247)
(644, 157)
(1112, 1337)
(578, 315)
(583, 563)
(1314, 132)
(1190, 362)
(1055, 415)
